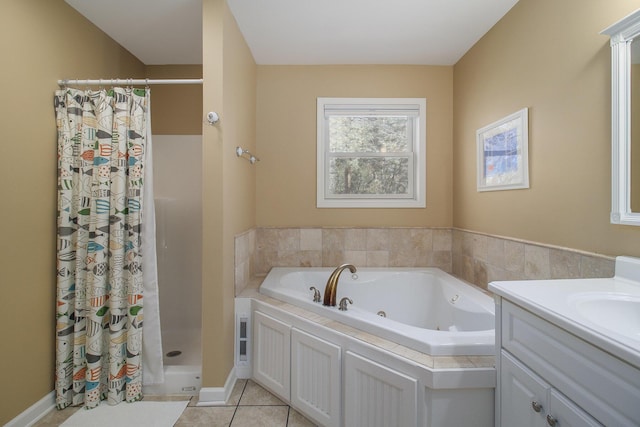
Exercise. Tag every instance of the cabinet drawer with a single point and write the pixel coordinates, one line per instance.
(595, 380)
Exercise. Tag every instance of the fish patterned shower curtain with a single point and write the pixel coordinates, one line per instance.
(101, 170)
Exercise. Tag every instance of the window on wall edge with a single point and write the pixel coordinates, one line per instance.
(371, 153)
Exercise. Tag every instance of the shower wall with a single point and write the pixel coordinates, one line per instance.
(178, 202)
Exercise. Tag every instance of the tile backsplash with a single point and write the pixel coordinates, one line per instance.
(474, 257)
(481, 258)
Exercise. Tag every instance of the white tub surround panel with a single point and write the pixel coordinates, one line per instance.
(348, 359)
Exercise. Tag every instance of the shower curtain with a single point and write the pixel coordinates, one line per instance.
(106, 263)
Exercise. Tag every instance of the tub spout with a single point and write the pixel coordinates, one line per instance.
(332, 284)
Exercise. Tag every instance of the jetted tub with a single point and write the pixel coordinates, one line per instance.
(426, 309)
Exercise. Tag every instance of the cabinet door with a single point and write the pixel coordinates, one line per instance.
(568, 414)
(523, 394)
(271, 354)
(377, 396)
(315, 378)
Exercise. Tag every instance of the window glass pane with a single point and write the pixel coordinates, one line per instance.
(369, 175)
(369, 134)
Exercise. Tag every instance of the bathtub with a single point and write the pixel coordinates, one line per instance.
(426, 309)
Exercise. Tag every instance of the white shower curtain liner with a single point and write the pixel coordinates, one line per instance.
(152, 365)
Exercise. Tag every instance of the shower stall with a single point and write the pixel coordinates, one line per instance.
(178, 204)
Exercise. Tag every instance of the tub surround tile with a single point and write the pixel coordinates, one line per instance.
(409, 247)
(467, 244)
(482, 361)
(564, 264)
(244, 259)
(480, 244)
(377, 259)
(377, 239)
(480, 274)
(288, 239)
(333, 258)
(514, 256)
(333, 239)
(414, 355)
(355, 239)
(452, 362)
(311, 239)
(457, 236)
(477, 258)
(442, 240)
(495, 252)
(356, 257)
(265, 259)
(592, 266)
(536, 262)
(511, 259)
(441, 260)
(376, 341)
(267, 239)
(343, 329)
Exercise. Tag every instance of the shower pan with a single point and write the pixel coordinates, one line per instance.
(178, 204)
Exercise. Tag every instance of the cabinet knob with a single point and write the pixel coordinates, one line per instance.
(551, 421)
(536, 406)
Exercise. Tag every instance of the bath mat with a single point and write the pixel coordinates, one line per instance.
(139, 414)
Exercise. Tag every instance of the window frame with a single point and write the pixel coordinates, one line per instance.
(417, 155)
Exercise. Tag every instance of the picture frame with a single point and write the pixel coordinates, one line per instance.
(503, 153)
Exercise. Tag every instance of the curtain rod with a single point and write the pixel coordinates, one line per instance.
(130, 82)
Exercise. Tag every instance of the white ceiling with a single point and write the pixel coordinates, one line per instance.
(431, 32)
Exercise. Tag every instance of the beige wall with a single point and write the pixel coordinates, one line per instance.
(286, 129)
(549, 56)
(41, 42)
(177, 109)
(229, 182)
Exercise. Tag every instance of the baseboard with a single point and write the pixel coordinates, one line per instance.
(217, 396)
(33, 413)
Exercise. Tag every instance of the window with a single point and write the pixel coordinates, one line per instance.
(371, 152)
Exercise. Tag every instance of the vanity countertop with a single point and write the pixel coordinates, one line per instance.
(604, 312)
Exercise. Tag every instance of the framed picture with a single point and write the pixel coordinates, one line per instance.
(503, 153)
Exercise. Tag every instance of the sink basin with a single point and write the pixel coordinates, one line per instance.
(617, 313)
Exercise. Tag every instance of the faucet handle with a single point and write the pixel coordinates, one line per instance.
(316, 294)
(343, 303)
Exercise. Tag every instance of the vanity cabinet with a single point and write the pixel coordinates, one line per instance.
(548, 376)
(529, 401)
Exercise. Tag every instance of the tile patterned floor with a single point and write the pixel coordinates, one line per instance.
(250, 405)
